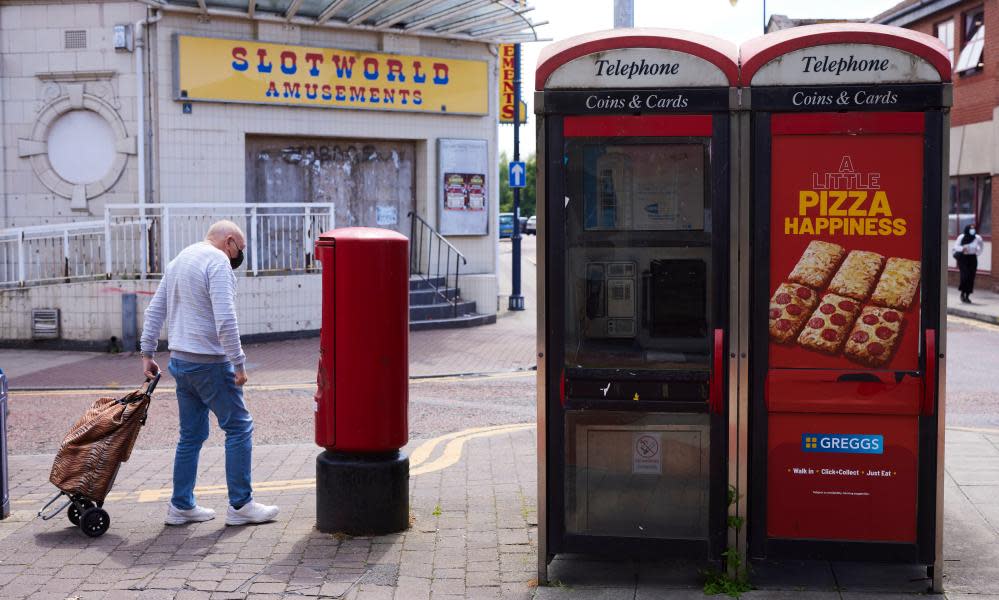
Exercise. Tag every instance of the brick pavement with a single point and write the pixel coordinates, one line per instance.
(473, 535)
(505, 345)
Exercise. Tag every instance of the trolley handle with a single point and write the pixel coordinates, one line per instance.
(151, 383)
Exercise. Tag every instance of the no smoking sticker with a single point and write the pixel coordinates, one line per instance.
(647, 456)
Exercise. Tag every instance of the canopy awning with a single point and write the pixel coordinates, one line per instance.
(494, 21)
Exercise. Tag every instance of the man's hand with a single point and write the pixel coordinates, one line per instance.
(149, 367)
(240, 375)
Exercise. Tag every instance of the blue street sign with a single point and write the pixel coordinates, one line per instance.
(518, 174)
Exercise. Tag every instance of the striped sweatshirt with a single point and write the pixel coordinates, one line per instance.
(197, 299)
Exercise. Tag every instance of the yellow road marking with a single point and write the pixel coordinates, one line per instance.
(973, 323)
(449, 456)
(452, 451)
(274, 387)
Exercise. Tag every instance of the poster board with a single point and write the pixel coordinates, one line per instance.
(463, 187)
(846, 237)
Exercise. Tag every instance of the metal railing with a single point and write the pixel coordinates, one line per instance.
(137, 241)
(427, 264)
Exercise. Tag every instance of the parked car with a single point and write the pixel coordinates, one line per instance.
(532, 225)
(506, 225)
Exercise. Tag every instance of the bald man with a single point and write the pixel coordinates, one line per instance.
(197, 299)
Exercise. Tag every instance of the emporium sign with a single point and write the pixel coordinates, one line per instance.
(221, 70)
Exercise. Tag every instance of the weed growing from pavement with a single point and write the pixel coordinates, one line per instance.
(732, 581)
(437, 511)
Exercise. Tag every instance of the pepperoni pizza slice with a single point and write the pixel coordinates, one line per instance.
(827, 327)
(789, 307)
(875, 336)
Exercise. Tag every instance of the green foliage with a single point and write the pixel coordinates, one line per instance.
(437, 511)
(732, 581)
(528, 200)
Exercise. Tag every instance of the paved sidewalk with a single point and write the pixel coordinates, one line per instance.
(506, 345)
(473, 535)
(984, 305)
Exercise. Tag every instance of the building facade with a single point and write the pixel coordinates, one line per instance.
(970, 30)
(372, 110)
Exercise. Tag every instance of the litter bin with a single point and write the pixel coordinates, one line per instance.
(4, 489)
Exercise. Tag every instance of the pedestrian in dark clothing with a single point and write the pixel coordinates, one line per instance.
(967, 247)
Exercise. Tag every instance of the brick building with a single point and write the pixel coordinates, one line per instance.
(970, 29)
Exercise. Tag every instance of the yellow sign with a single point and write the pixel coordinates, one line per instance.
(223, 70)
(506, 86)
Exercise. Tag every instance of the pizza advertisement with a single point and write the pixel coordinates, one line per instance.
(846, 252)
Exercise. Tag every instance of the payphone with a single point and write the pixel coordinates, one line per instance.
(849, 149)
(634, 293)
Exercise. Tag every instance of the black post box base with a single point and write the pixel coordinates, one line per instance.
(362, 494)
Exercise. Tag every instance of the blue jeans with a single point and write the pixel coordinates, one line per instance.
(200, 388)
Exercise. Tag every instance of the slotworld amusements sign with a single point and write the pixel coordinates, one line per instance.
(221, 70)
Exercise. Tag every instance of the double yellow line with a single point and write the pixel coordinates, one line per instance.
(419, 464)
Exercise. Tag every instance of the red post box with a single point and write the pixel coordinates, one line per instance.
(363, 381)
(362, 478)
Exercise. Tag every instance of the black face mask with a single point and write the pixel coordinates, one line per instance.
(235, 262)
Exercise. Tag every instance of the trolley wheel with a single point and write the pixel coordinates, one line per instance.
(74, 512)
(95, 521)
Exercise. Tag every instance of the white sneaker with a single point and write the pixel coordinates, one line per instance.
(252, 512)
(198, 514)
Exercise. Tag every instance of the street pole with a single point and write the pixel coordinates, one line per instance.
(516, 299)
(624, 14)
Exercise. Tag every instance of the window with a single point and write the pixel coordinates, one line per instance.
(945, 32)
(973, 36)
(970, 204)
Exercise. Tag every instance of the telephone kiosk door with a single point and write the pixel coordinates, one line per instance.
(846, 327)
(643, 234)
(634, 241)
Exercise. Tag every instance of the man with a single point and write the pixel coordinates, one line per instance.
(197, 298)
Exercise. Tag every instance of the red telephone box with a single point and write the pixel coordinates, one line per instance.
(363, 380)
(849, 126)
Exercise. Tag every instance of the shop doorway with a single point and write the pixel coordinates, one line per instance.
(370, 183)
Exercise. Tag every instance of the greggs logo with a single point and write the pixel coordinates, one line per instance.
(846, 443)
(845, 202)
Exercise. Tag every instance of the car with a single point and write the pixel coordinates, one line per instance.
(532, 225)
(506, 225)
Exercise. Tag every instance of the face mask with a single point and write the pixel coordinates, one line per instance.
(971, 231)
(235, 262)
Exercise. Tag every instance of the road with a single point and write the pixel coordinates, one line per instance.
(283, 414)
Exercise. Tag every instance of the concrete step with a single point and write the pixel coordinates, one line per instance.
(430, 296)
(471, 320)
(419, 282)
(440, 310)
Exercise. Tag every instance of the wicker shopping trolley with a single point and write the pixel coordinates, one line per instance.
(92, 452)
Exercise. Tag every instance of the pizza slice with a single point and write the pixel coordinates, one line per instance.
(817, 264)
(827, 328)
(857, 275)
(875, 336)
(898, 284)
(789, 307)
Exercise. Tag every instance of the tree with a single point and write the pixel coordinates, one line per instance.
(528, 201)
